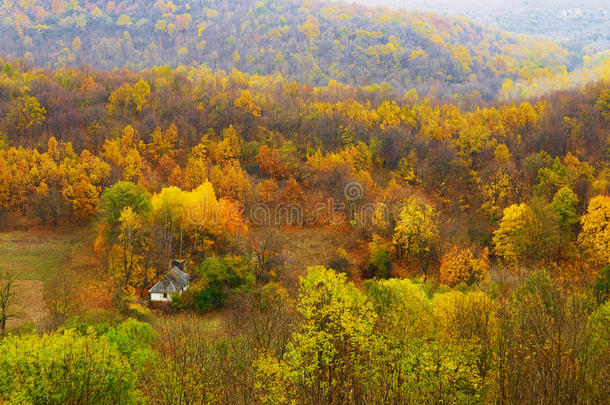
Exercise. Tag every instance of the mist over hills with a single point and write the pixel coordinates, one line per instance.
(585, 22)
(310, 42)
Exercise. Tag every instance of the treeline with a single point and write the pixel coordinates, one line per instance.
(392, 342)
(310, 42)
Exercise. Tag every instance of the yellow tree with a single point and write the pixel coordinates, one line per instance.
(85, 179)
(511, 239)
(126, 257)
(195, 173)
(163, 143)
(229, 149)
(268, 191)
(594, 239)
(231, 182)
(128, 100)
(332, 349)
(468, 318)
(52, 178)
(311, 28)
(416, 231)
(123, 154)
(6, 196)
(169, 216)
(83, 198)
(25, 115)
(19, 182)
(245, 103)
(406, 167)
(603, 104)
(497, 191)
(95, 168)
(459, 265)
(502, 155)
(473, 139)
(206, 218)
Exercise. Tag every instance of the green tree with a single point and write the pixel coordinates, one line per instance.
(115, 199)
(219, 277)
(63, 368)
(403, 308)
(329, 358)
(601, 285)
(379, 263)
(564, 205)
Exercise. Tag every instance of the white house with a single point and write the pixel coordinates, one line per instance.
(175, 281)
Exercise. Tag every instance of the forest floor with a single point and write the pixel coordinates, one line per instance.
(42, 258)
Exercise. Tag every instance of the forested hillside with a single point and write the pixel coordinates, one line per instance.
(69, 134)
(311, 42)
(288, 202)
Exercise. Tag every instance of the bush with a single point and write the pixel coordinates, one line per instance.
(601, 285)
(379, 264)
(141, 313)
(65, 368)
(219, 277)
(340, 262)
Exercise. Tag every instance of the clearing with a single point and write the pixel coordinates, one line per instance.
(41, 258)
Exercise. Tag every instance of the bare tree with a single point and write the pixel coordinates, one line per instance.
(60, 299)
(6, 291)
(265, 244)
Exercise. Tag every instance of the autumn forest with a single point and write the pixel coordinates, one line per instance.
(355, 205)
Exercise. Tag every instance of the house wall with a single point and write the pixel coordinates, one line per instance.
(159, 297)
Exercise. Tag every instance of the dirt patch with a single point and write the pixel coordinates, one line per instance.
(28, 306)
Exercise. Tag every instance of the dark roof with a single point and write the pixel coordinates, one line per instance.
(174, 281)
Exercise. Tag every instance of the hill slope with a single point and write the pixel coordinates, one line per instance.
(585, 22)
(309, 42)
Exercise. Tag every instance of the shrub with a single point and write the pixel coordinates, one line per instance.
(65, 368)
(219, 276)
(379, 264)
(340, 262)
(601, 285)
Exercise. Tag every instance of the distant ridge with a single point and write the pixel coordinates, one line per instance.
(311, 42)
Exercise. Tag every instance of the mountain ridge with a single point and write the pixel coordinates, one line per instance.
(310, 42)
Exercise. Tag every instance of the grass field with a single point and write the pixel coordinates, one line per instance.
(38, 258)
(42, 254)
